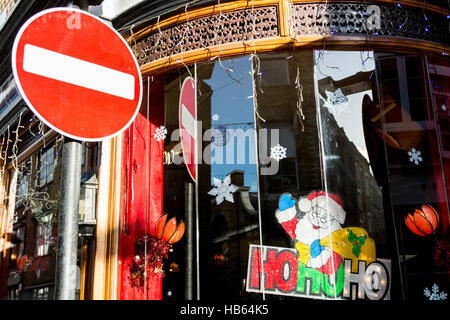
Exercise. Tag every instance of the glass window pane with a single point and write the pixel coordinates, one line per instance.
(228, 188)
(227, 177)
(352, 208)
(390, 86)
(416, 179)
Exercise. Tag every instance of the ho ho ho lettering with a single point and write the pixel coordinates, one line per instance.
(283, 274)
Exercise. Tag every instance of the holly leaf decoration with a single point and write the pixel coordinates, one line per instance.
(357, 242)
(361, 240)
(356, 250)
(351, 236)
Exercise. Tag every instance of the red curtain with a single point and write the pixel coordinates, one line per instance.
(142, 187)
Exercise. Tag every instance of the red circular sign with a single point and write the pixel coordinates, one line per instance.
(77, 74)
(188, 125)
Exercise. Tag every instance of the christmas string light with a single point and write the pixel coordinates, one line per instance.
(1, 149)
(256, 72)
(181, 43)
(15, 148)
(299, 91)
(132, 36)
(32, 122)
(214, 41)
(160, 34)
(6, 152)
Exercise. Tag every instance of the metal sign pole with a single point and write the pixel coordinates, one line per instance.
(189, 249)
(66, 256)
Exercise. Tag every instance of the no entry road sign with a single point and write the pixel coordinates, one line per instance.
(188, 125)
(77, 74)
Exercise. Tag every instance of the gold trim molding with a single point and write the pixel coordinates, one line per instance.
(286, 36)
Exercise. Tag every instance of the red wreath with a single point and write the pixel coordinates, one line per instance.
(152, 250)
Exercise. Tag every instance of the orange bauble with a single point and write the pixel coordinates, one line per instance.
(169, 232)
(423, 222)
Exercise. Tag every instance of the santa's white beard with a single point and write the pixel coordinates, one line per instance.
(305, 232)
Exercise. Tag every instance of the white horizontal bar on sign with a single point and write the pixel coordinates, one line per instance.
(57, 66)
(188, 121)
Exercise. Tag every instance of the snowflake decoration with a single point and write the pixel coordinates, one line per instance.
(223, 190)
(278, 152)
(215, 117)
(414, 156)
(160, 133)
(336, 102)
(169, 293)
(444, 107)
(434, 294)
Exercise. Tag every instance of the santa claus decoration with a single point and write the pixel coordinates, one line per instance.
(315, 222)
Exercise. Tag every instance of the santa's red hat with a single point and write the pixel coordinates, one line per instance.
(325, 200)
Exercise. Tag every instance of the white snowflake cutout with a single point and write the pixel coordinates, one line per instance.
(215, 117)
(278, 152)
(160, 133)
(223, 190)
(434, 294)
(414, 156)
(444, 107)
(336, 102)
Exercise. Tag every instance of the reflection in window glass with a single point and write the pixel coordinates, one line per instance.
(46, 167)
(297, 170)
(227, 178)
(318, 156)
(175, 200)
(23, 179)
(43, 234)
(40, 294)
(415, 173)
(228, 204)
(344, 93)
(347, 116)
(439, 72)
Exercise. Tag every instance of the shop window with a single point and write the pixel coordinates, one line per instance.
(345, 113)
(23, 186)
(414, 158)
(14, 294)
(391, 87)
(229, 225)
(325, 142)
(439, 73)
(228, 219)
(23, 179)
(40, 294)
(43, 235)
(46, 166)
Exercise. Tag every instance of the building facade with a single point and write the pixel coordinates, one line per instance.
(322, 144)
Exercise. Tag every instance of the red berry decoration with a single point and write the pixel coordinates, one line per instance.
(423, 222)
(151, 250)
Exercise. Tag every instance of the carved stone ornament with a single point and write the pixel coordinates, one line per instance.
(361, 19)
(364, 19)
(227, 27)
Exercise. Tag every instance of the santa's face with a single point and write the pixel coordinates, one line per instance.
(316, 224)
